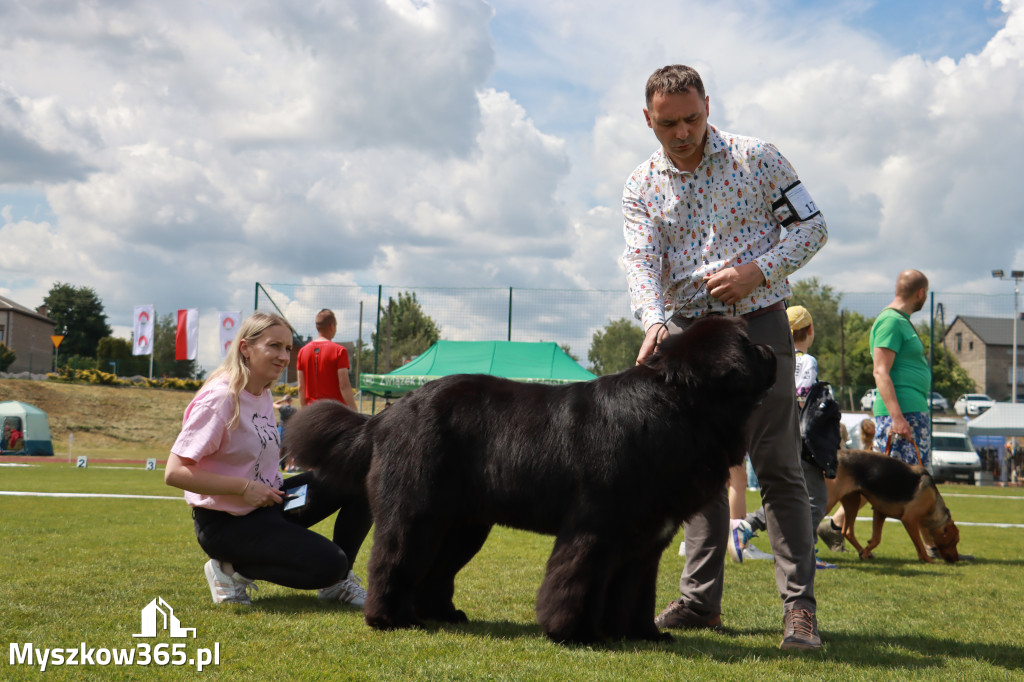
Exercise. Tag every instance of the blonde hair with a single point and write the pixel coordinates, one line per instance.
(234, 366)
(867, 434)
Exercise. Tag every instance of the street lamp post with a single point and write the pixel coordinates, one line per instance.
(1016, 276)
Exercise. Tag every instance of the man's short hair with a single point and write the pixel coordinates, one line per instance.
(324, 319)
(910, 282)
(672, 80)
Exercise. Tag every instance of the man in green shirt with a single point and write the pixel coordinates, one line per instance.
(902, 374)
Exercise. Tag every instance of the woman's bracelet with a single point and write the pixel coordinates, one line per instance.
(245, 488)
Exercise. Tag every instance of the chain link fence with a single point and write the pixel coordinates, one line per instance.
(571, 317)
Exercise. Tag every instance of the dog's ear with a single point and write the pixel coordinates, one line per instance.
(946, 539)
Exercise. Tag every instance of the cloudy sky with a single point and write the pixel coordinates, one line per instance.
(176, 153)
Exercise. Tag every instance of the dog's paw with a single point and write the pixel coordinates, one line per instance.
(384, 622)
(448, 616)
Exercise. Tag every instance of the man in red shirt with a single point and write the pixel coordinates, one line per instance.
(323, 366)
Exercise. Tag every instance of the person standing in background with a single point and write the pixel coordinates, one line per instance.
(323, 366)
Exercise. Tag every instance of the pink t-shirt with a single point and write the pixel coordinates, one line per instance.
(250, 450)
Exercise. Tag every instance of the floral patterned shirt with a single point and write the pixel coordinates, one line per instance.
(681, 226)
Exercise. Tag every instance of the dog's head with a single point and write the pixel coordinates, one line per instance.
(944, 533)
(714, 355)
(946, 538)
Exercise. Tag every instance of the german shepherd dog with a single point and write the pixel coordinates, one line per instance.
(610, 467)
(895, 490)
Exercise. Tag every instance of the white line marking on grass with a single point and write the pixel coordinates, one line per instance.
(866, 519)
(990, 497)
(20, 493)
(92, 466)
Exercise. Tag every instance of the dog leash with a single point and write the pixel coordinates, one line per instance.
(888, 447)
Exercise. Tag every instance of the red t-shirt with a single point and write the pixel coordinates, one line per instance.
(319, 362)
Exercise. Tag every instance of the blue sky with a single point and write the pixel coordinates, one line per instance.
(176, 153)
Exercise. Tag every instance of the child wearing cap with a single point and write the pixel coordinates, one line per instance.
(806, 372)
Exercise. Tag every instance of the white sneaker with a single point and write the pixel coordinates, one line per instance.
(739, 535)
(682, 548)
(233, 589)
(347, 591)
(751, 553)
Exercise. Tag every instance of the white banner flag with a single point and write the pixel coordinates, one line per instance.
(145, 324)
(229, 322)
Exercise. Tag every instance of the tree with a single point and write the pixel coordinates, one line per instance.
(841, 341)
(405, 332)
(568, 351)
(822, 302)
(79, 316)
(7, 357)
(857, 364)
(948, 376)
(119, 351)
(615, 347)
(164, 363)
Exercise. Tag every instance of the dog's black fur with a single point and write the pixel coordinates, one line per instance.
(610, 467)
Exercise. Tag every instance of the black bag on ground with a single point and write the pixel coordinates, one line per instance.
(819, 428)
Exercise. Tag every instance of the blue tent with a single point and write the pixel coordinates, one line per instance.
(32, 423)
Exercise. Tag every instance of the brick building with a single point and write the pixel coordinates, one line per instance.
(984, 348)
(27, 332)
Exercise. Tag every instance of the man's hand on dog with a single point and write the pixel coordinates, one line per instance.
(656, 333)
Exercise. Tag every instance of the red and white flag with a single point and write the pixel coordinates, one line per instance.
(229, 322)
(142, 330)
(186, 338)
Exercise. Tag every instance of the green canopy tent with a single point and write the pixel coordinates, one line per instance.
(543, 363)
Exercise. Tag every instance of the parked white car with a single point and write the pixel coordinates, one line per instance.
(972, 404)
(953, 457)
(867, 401)
(938, 403)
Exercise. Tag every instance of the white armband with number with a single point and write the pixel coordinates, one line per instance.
(796, 205)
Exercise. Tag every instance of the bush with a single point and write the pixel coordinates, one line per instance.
(94, 376)
(78, 362)
(7, 357)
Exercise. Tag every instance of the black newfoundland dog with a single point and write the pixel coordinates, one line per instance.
(610, 467)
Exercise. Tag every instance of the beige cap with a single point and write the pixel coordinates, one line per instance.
(798, 317)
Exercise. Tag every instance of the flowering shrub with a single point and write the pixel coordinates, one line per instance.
(97, 377)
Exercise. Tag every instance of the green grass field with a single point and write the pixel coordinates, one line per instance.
(81, 569)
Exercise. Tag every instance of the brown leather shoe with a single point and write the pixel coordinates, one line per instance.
(679, 615)
(801, 631)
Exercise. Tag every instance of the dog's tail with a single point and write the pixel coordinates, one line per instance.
(329, 439)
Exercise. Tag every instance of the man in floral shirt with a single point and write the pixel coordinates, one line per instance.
(714, 224)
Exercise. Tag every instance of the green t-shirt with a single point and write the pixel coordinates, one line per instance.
(910, 372)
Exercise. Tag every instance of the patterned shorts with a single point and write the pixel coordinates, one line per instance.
(902, 448)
